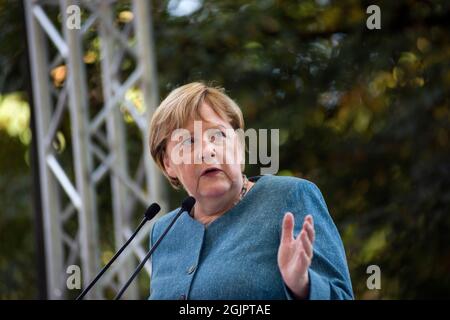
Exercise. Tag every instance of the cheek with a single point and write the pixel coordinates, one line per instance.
(231, 153)
(233, 171)
(187, 175)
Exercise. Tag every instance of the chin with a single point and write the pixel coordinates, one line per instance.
(214, 188)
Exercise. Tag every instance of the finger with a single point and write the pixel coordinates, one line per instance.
(302, 263)
(307, 246)
(310, 219)
(287, 231)
(309, 228)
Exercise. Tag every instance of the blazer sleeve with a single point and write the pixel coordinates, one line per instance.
(329, 278)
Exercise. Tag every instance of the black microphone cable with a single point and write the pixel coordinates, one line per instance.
(150, 213)
(186, 205)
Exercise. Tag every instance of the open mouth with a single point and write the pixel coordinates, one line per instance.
(211, 172)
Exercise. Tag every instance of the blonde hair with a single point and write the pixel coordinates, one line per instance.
(181, 105)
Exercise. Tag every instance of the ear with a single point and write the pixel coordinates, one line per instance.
(169, 167)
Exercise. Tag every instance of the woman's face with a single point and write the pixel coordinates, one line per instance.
(206, 156)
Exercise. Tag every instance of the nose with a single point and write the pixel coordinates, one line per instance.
(207, 151)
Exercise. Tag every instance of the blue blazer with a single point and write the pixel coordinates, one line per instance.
(235, 256)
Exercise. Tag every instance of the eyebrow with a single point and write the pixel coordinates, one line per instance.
(212, 127)
(220, 126)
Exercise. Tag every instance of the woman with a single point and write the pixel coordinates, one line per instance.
(238, 240)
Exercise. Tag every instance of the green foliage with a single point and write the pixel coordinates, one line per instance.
(17, 247)
(364, 114)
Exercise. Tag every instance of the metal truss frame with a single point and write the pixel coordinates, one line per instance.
(70, 189)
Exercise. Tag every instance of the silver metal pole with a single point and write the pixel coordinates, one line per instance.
(83, 162)
(61, 197)
(49, 188)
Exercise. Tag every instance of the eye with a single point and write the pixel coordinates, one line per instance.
(217, 136)
(188, 141)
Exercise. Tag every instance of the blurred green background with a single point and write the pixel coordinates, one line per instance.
(364, 114)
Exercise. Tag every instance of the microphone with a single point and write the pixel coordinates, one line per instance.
(150, 213)
(186, 205)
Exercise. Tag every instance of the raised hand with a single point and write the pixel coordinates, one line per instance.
(295, 255)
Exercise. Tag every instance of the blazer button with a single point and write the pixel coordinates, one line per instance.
(183, 297)
(191, 269)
